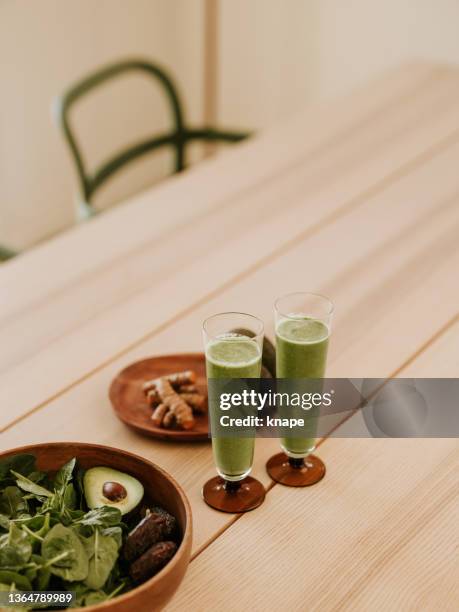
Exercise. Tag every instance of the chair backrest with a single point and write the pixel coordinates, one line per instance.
(90, 182)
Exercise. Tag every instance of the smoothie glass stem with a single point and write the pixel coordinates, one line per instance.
(231, 486)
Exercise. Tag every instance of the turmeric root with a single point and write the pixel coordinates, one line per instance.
(153, 397)
(188, 389)
(182, 378)
(177, 379)
(197, 402)
(158, 414)
(192, 397)
(169, 420)
(177, 406)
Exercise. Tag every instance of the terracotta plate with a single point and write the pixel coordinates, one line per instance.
(131, 406)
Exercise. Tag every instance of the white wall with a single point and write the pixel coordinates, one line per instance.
(46, 45)
(358, 38)
(275, 57)
(280, 55)
(267, 59)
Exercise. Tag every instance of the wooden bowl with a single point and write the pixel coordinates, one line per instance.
(159, 487)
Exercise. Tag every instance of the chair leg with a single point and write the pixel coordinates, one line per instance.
(84, 210)
(180, 156)
(6, 253)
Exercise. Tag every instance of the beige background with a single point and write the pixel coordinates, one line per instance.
(275, 57)
(47, 45)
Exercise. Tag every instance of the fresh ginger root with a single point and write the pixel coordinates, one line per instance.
(182, 411)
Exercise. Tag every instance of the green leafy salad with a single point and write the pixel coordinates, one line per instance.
(52, 539)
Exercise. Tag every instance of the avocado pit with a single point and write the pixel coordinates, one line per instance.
(114, 491)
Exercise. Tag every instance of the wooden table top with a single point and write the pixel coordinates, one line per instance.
(359, 200)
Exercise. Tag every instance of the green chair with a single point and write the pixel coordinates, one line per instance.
(177, 138)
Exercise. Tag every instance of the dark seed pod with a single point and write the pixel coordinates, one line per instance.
(152, 529)
(154, 559)
(171, 523)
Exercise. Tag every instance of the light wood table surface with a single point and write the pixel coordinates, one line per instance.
(358, 199)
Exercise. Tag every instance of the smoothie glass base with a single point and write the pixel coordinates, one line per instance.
(231, 496)
(293, 472)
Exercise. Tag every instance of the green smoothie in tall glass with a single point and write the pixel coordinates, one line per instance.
(301, 352)
(233, 356)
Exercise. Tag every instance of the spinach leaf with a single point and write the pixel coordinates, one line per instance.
(37, 529)
(117, 581)
(15, 548)
(12, 502)
(39, 572)
(88, 597)
(64, 554)
(79, 486)
(30, 486)
(21, 463)
(43, 529)
(115, 532)
(9, 577)
(69, 497)
(94, 597)
(105, 516)
(60, 506)
(102, 551)
(64, 476)
(63, 501)
(43, 578)
(85, 596)
(32, 522)
(4, 522)
(36, 476)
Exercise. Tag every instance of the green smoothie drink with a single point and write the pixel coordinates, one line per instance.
(303, 325)
(233, 356)
(301, 352)
(229, 355)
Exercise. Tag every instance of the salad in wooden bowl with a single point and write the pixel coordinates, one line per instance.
(105, 525)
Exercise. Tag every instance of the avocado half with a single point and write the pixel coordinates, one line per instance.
(104, 486)
(268, 358)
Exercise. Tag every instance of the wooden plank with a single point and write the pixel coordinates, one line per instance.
(61, 262)
(379, 533)
(27, 280)
(352, 259)
(441, 360)
(317, 198)
(375, 534)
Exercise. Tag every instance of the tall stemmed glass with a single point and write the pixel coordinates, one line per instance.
(303, 327)
(233, 344)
